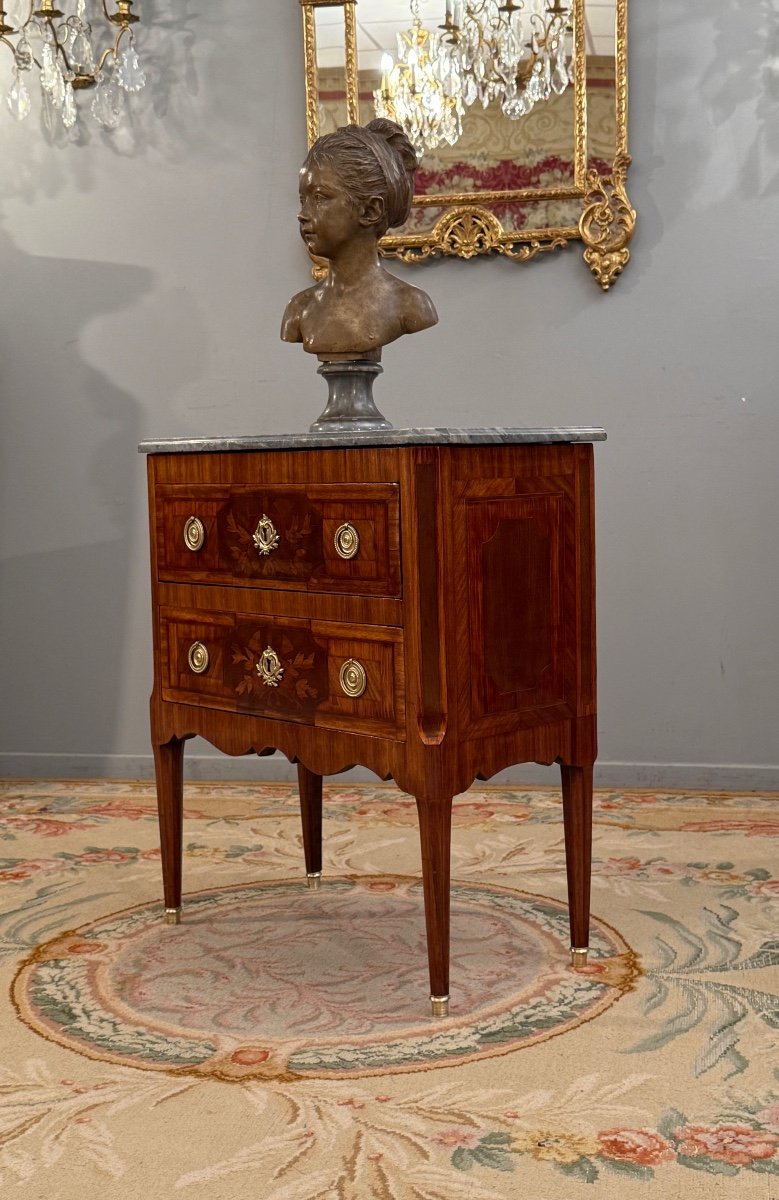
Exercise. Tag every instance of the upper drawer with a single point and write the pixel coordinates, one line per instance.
(315, 537)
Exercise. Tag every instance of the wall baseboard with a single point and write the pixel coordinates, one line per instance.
(275, 768)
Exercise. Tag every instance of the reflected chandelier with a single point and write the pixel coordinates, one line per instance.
(513, 52)
(428, 106)
(61, 48)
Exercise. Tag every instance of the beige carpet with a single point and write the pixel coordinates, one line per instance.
(276, 1045)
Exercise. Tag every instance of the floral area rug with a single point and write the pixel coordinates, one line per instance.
(277, 1043)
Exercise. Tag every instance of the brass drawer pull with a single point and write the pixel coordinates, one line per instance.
(265, 536)
(353, 678)
(347, 540)
(194, 533)
(269, 667)
(198, 658)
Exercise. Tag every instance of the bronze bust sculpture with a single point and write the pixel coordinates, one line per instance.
(355, 184)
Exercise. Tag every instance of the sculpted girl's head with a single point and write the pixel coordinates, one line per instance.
(371, 162)
(355, 184)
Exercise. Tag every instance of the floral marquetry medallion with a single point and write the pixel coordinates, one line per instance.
(272, 981)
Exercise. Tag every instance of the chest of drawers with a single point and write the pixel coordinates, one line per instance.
(417, 602)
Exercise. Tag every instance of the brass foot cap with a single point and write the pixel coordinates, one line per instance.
(314, 880)
(440, 1006)
(579, 957)
(172, 916)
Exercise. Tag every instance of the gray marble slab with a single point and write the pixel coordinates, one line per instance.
(384, 437)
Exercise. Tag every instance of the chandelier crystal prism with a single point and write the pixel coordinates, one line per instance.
(413, 93)
(60, 47)
(515, 53)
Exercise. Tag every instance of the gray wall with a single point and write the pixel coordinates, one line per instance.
(143, 280)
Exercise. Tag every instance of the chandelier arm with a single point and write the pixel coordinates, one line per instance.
(6, 42)
(535, 18)
(60, 49)
(112, 50)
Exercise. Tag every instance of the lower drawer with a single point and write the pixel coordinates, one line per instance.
(344, 677)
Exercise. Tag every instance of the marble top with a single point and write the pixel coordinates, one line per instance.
(381, 437)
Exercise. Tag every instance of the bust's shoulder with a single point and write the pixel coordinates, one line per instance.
(418, 310)
(296, 307)
(301, 299)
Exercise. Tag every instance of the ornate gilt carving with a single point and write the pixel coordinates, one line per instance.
(607, 223)
(309, 50)
(470, 230)
(269, 667)
(265, 536)
(350, 47)
(467, 231)
(580, 92)
(621, 80)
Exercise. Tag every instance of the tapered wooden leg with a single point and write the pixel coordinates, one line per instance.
(169, 771)
(577, 817)
(435, 833)
(310, 786)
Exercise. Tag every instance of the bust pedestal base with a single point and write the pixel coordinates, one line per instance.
(350, 403)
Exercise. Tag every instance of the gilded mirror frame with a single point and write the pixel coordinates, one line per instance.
(467, 228)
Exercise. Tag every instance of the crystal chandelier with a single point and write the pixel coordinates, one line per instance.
(511, 52)
(61, 49)
(428, 106)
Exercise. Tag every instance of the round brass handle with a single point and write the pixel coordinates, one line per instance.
(194, 533)
(198, 658)
(265, 536)
(353, 678)
(269, 667)
(347, 540)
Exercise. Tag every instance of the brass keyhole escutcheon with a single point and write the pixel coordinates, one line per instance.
(194, 533)
(353, 678)
(198, 658)
(265, 536)
(347, 540)
(269, 667)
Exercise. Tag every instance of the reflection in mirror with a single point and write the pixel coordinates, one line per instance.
(483, 90)
(331, 67)
(517, 109)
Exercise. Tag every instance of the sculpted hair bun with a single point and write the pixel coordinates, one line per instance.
(397, 139)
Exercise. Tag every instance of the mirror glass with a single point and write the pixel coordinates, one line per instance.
(330, 34)
(492, 152)
(517, 109)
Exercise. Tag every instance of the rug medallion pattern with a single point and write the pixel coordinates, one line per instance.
(277, 1042)
(335, 980)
